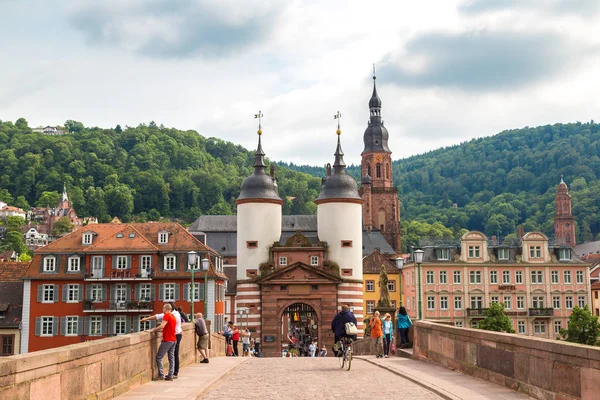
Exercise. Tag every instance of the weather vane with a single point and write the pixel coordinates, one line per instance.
(259, 116)
(338, 116)
(374, 71)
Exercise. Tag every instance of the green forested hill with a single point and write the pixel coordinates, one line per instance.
(505, 180)
(143, 172)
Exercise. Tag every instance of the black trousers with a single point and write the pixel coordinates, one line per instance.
(236, 352)
(178, 336)
(387, 340)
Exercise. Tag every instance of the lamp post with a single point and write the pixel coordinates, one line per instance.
(400, 265)
(205, 265)
(192, 259)
(418, 254)
(241, 313)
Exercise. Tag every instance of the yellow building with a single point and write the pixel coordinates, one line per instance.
(371, 270)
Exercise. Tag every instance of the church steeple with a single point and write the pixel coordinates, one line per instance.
(564, 222)
(376, 135)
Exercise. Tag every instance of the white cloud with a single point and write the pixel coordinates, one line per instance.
(210, 66)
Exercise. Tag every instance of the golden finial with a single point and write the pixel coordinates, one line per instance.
(338, 116)
(259, 116)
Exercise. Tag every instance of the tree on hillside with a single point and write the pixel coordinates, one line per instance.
(583, 327)
(61, 226)
(496, 320)
(48, 199)
(22, 203)
(5, 196)
(119, 201)
(14, 241)
(14, 223)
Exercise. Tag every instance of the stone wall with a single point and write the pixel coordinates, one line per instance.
(542, 368)
(99, 369)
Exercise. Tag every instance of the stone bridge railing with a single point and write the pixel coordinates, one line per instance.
(542, 368)
(102, 368)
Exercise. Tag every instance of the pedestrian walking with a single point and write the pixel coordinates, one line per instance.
(388, 332)
(202, 332)
(235, 338)
(312, 349)
(245, 342)
(167, 345)
(403, 323)
(377, 334)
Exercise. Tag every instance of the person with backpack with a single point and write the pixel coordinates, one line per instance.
(403, 325)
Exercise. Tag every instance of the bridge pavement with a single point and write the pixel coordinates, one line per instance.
(319, 378)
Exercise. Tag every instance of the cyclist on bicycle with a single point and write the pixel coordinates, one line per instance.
(338, 325)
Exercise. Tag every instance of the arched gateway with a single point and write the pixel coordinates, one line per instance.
(299, 328)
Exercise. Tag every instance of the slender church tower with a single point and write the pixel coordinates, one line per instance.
(564, 223)
(339, 223)
(381, 209)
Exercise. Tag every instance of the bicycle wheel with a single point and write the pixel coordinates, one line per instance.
(348, 358)
(342, 358)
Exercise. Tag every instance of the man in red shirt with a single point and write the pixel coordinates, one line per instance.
(168, 343)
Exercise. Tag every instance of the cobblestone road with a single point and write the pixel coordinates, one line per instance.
(313, 378)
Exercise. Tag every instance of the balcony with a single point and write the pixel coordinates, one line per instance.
(541, 312)
(118, 275)
(118, 306)
(476, 312)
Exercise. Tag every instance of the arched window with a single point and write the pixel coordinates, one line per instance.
(381, 219)
(387, 171)
(369, 170)
(379, 170)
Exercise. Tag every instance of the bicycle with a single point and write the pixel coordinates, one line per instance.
(345, 347)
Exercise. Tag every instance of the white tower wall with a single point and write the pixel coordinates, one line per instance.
(338, 222)
(260, 222)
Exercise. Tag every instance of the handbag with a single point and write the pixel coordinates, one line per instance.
(351, 329)
(393, 349)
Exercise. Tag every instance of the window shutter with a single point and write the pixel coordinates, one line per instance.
(161, 292)
(63, 326)
(82, 264)
(80, 293)
(38, 326)
(113, 294)
(153, 323)
(186, 292)
(55, 293)
(58, 262)
(103, 325)
(128, 292)
(136, 323)
(177, 262)
(88, 292)
(111, 325)
(201, 292)
(42, 261)
(55, 327)
(136, 293)
(114, 262)
(161, 262)
(64, 293)
(129, 262)
(152, 292)
(177, 291)
(104, 292)
(40, 293)
(127, 324)
(86, 325)
(186, 262)
(80, 325)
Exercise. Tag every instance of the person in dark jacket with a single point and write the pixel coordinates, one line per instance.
(338, 325)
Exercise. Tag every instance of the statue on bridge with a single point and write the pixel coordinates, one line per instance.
(384, 294)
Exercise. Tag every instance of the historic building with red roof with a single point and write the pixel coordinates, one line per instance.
(102, 279)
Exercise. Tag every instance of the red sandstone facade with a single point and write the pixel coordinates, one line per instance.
(564, 223)
(102, 280)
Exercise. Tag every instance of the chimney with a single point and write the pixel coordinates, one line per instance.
(521, 232)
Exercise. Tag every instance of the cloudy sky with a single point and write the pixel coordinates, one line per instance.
(447, 71)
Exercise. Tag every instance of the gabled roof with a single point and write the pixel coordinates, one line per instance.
(13, 271)
(298, 272)
(373, 262)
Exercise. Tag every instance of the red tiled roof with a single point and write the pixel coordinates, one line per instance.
(596, 285)
(11, 208)
(372, 264)
(12, 271)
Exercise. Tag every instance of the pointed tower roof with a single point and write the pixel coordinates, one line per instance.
(259, 185)
(64, 195)
(376, 135)
(562, 186)
(340, 185)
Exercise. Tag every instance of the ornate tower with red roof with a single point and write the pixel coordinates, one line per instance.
(564, 223)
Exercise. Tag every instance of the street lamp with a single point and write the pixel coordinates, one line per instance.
(418, 254)
(205, 265)
(192, 259)
(241, 313)
(400, 265)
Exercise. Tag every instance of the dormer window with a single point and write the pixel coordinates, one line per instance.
(564, 254)
(163, 237)
(86, 238)
(535, 251)
(50, 264)
(74, 264)
(443, 254)
(474, 252)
